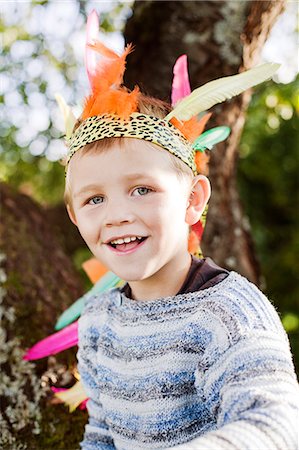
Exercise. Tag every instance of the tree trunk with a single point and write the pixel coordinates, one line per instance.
(220, 38)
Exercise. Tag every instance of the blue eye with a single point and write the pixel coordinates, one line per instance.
(142, 190)
(95, 200)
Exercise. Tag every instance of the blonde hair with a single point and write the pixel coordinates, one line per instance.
(146, 105)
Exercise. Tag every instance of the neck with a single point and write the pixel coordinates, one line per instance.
(167, 282)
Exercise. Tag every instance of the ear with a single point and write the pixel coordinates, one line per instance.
(71, 215)
(199, 197)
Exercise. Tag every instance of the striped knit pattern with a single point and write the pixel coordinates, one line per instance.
(205, 370)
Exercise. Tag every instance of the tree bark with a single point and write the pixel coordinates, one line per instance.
(220, 38)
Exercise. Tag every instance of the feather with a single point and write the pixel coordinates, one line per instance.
(192, 127)
(119, 102)
(56, 389)
(180, 84)
(57, 342)
(219, 90)
(92, 29)
(73, 396)
(103, 50)
(82, 405)
(198, 228)
(201, 162)
(110, 70)
(94, 269)
(201, 123)
(107, 281)
(210, 138)
(193, 242)
(68, 116)
(73, 312)
(108, 96)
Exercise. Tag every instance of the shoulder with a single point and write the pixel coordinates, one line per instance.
(241, 307)
(240, 320)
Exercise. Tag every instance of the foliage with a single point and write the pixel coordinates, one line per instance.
(20, 389)
(268, 181)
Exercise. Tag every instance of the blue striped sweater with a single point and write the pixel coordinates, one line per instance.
(205, 370)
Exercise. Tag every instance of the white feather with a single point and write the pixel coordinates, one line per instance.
(219, 90)
(68, 116)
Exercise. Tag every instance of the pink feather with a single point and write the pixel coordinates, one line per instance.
(55, 389)
(180, 85)
(83, 404)
(92, 29)
(57, 342)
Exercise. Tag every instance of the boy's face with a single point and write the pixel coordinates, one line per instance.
(130, 207)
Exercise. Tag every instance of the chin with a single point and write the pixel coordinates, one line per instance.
(130, 275)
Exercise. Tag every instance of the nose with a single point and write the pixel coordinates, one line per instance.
(118, 213)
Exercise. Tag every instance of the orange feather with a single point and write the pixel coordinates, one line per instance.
(193, 242)
(110, 70)
(201, 161)
(88, 104)
(105, 51)
(94, 269)
(108, 96)
(119, 102)
(191, 128)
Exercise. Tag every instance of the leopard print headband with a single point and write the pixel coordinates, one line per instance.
(138, 126)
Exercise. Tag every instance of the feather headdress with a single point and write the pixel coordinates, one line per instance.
(109, 97)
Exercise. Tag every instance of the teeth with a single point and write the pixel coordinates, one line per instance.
(126, 240)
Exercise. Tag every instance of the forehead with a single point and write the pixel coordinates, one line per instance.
(125, 160)
(123, 156)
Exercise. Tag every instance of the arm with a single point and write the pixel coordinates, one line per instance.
(257, 405)
(97, 435)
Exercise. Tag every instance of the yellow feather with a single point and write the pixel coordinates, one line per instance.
(73, 396)
(68, 116)
(217, 91)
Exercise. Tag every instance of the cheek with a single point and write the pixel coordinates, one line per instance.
(87, 225)
(175, 208)
(168, 217)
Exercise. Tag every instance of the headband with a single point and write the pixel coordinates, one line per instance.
(138, 126)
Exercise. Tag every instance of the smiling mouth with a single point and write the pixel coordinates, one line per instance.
(127, 243)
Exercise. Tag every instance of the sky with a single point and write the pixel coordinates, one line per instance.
(63, 27)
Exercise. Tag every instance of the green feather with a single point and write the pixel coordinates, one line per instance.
(219, 90)
(107, 281)
(210, 138)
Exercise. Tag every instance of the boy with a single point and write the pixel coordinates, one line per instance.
(186, 355)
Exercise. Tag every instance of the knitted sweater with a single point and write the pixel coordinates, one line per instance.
(206, 370)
